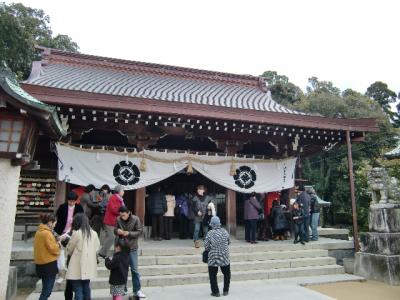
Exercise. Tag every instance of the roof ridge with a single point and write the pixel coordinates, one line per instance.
(56, 55)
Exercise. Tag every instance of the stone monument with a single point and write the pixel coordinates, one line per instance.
(379, 258)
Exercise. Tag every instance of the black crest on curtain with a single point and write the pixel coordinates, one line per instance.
(245, 177)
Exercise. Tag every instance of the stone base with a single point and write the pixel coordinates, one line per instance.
(12, 284)
(380, 243)
(348, 264)
(384, 218)
(385, 268)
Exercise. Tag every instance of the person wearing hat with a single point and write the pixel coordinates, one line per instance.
(110, 219)
(217, 244)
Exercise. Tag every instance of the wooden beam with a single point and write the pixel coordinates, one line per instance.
(352, 192)
(230, 207)
(61, 192)
(140, 204)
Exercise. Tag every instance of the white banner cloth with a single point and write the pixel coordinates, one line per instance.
(135, 170)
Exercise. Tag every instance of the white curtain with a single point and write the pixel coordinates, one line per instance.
(135, 170)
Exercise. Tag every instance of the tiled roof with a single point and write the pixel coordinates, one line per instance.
(46, 114)
(94, 74)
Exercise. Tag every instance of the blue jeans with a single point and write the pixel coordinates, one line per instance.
(314, 226)
(47, 287)
(197, 226)
(306, 224)
(133, 262)
(81, 289)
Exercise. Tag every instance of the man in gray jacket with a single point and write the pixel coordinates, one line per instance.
(130, 228)
(200, 203)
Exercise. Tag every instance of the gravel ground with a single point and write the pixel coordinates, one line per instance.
(369, 290)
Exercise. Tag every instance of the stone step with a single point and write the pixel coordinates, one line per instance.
(21, 228)
(243, 256)
(18, 236)
(154, 249)
(332, 231)
(235, 266)
(169, 280)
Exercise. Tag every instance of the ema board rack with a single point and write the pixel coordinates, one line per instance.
(36, 193)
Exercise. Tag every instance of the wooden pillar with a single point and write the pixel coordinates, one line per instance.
(139, 203)
(231, 212)
(352, 192)
(61, 191)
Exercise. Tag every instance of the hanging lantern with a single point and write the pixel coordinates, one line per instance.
(189, 170)
(233, 168)
(143, 164)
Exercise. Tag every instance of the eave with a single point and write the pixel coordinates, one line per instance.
(63, 97)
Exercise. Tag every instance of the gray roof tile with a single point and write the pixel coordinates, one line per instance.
(164, 87)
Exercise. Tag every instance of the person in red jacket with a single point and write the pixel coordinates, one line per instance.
(110, 219)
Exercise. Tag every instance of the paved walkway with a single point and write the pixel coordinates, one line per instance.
(258, 289)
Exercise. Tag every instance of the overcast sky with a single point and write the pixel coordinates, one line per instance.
(351, 43)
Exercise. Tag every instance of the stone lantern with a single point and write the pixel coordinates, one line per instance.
(22, 119)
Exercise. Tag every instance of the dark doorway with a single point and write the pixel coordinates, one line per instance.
(184, 184)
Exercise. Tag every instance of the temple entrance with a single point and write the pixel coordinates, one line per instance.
(182, 184)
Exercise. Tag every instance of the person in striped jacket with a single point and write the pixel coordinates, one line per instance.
(217, 244)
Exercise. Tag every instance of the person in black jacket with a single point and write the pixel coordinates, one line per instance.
(279, 222)
(119, 266)
(298, 220)
(158, 206)
(66, 212)
(304, 201)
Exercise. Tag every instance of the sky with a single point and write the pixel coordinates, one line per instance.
(351, 43)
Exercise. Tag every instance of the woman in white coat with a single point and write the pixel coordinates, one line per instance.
(82, 248)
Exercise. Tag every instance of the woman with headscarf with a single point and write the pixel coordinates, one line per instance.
(82, 248)
(217, 244)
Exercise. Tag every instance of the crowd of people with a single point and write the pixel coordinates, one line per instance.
(281, 221)
(69, 241)
(67, 244)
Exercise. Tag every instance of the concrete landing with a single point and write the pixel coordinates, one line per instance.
(257, 289)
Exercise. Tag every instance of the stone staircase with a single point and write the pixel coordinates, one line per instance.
(171, 263)
(19, 232)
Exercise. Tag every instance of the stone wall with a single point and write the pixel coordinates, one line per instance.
(9, 181)
(12, 284)
(26, 271)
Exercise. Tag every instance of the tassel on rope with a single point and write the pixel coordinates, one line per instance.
(233, 169)
(189, 170)
(143, 164)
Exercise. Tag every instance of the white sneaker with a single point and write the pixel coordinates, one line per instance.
(140, 294)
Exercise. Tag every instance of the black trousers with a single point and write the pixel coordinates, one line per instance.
(168, 227)
(157, 226)
(299, 232)
(306, 224)
(68, 293)
(183, 227)
(250, 230)
(212, 273)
